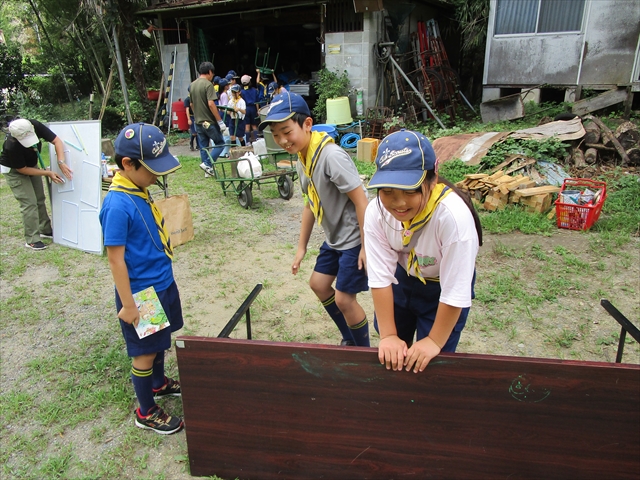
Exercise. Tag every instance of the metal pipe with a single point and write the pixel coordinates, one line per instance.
(393, 61)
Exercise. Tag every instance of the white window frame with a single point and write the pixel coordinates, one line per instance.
(536, 33)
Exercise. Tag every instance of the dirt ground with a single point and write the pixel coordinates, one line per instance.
(235, 249)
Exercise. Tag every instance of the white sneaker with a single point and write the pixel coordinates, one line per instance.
(203, 166)
(209, 171)
(206, 175)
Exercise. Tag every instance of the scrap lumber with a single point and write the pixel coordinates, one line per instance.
(529, 192)
(494, 192)
(529, 161)
(537, 203)
(510, 159)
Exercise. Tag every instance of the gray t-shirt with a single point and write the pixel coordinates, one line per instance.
(335, 175)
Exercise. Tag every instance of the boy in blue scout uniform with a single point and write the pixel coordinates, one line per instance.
(251, 97)
(140, 256)
(336, 199)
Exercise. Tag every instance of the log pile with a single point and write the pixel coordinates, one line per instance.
(602, 145)
(496, 190)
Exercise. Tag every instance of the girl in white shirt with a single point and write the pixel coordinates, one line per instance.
(421, 237)
(237, 116)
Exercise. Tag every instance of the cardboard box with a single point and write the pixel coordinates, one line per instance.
(367, 149)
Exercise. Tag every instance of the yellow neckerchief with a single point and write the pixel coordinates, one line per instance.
(419, 221)
(317, 142)
(124, 185)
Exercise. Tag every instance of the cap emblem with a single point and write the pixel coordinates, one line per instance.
(389, 155)
(158, 147)
(129, 134)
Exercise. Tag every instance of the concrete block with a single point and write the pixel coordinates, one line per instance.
(333, 38)
(352, 49)
(353, 37)
(353, 60)
(531, 96)
(489, 94)
(505, 108)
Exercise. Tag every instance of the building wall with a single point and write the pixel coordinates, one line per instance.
(353, 52)
(603, 53)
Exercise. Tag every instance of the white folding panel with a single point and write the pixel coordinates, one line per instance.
(76, 203)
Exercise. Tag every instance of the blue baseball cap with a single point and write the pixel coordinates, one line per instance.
(284, 106)
(232, 73)
(272, 87)
(402, 162)
(148, 144)
(223, 83)
(228, 77)
(216, 79)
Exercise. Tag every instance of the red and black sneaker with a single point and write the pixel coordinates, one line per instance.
(171, 388)
(158, 421)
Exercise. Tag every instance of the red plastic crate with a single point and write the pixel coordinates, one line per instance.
(580, 217)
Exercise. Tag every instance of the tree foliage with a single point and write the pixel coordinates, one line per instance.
(65, 48)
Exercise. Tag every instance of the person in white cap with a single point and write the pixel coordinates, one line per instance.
(20, 154)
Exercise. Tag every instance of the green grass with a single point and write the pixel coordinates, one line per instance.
(514, 218)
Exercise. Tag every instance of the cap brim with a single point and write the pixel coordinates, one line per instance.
(275, 119)
(400, 179)
(163, 165)
(30, 140)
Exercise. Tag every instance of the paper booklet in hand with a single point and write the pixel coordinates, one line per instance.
(152, 316)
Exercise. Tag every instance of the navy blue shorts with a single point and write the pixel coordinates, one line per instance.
(342, 264)
(251, 117)
(414, 308)
(237, 129)
(159, 341)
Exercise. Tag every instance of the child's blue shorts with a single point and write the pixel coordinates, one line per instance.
(251, 117)
(159, 341)
(414, 309)
(342, 264)
(237, 129)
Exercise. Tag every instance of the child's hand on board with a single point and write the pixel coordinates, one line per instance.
(420, 354)
(392, 351)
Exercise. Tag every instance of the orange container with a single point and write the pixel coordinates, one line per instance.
(367, 149)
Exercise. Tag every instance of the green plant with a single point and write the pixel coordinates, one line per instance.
(548, 150)
(455, 170)
(330, 85)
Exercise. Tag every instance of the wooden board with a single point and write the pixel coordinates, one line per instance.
(263, 410)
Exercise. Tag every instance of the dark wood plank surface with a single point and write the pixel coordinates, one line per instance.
(263, 410)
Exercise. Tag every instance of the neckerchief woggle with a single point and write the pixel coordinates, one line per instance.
(439, 192)
(124, 185)
(318, 141)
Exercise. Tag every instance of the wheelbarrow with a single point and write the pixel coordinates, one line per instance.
(276, 168)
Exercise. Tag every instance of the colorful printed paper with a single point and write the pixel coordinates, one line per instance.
(152, 316)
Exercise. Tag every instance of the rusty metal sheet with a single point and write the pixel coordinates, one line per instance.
(468, 147)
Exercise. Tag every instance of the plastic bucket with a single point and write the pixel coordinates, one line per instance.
(339, 111)
(272, 146)
(329, 129)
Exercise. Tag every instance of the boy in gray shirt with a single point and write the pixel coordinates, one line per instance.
(336, 199)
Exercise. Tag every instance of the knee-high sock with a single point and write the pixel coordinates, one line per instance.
(158, 371)
(360, 333)
(143, 385)
(337, 317)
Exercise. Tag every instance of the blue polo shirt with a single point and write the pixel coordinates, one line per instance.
(128, 220)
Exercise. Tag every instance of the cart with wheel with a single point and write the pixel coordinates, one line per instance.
(276, 168)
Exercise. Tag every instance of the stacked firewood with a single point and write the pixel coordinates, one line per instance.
(601, 145)
(495, 191)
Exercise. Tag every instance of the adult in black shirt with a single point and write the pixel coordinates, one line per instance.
(20, 154)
